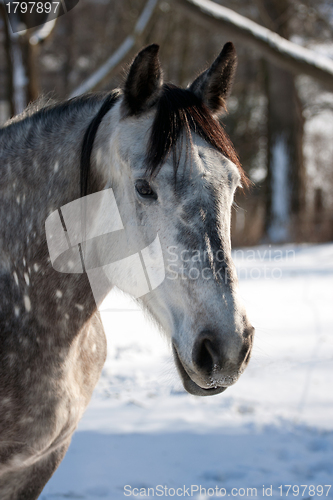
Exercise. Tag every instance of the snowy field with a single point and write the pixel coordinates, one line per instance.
(273, 428)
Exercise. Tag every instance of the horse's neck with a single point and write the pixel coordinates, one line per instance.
(40, 180)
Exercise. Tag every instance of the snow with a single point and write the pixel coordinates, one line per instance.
(273, 427)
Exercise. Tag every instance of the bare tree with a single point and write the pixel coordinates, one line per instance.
(17, 93)
(285, 183)
(22, 50)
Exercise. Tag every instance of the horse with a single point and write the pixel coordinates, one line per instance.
(171, 172)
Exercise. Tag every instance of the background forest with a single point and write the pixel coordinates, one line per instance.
(280, 121)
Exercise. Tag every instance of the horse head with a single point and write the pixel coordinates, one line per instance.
(174, 174)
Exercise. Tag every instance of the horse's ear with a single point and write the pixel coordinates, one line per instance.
(214, 85)
(144, 81)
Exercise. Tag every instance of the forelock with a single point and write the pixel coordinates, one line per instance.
(179, 112)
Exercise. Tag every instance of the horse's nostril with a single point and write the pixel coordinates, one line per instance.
(204, 359)
(206, 354)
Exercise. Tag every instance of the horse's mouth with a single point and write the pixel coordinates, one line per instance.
(189, 385)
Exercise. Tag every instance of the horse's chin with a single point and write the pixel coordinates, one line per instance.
(189, 385)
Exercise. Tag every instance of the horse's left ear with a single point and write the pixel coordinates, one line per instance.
(144, 81)
(214, 85)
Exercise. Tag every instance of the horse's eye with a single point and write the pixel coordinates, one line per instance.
(144, 190)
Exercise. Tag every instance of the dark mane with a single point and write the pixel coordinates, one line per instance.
(179, 110)
(89, 138)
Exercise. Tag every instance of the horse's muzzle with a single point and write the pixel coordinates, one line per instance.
(212, 370)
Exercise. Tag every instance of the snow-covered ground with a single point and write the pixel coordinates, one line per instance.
(273, 428)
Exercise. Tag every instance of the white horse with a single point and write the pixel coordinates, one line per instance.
(168, 173)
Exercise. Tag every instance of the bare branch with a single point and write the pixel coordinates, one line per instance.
(98, 76)
(274, 48)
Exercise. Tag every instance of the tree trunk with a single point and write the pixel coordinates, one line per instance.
(18, 73)
(69, 63)
(22, 81)
(9, 66)
(16, 79)
(285, 185)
